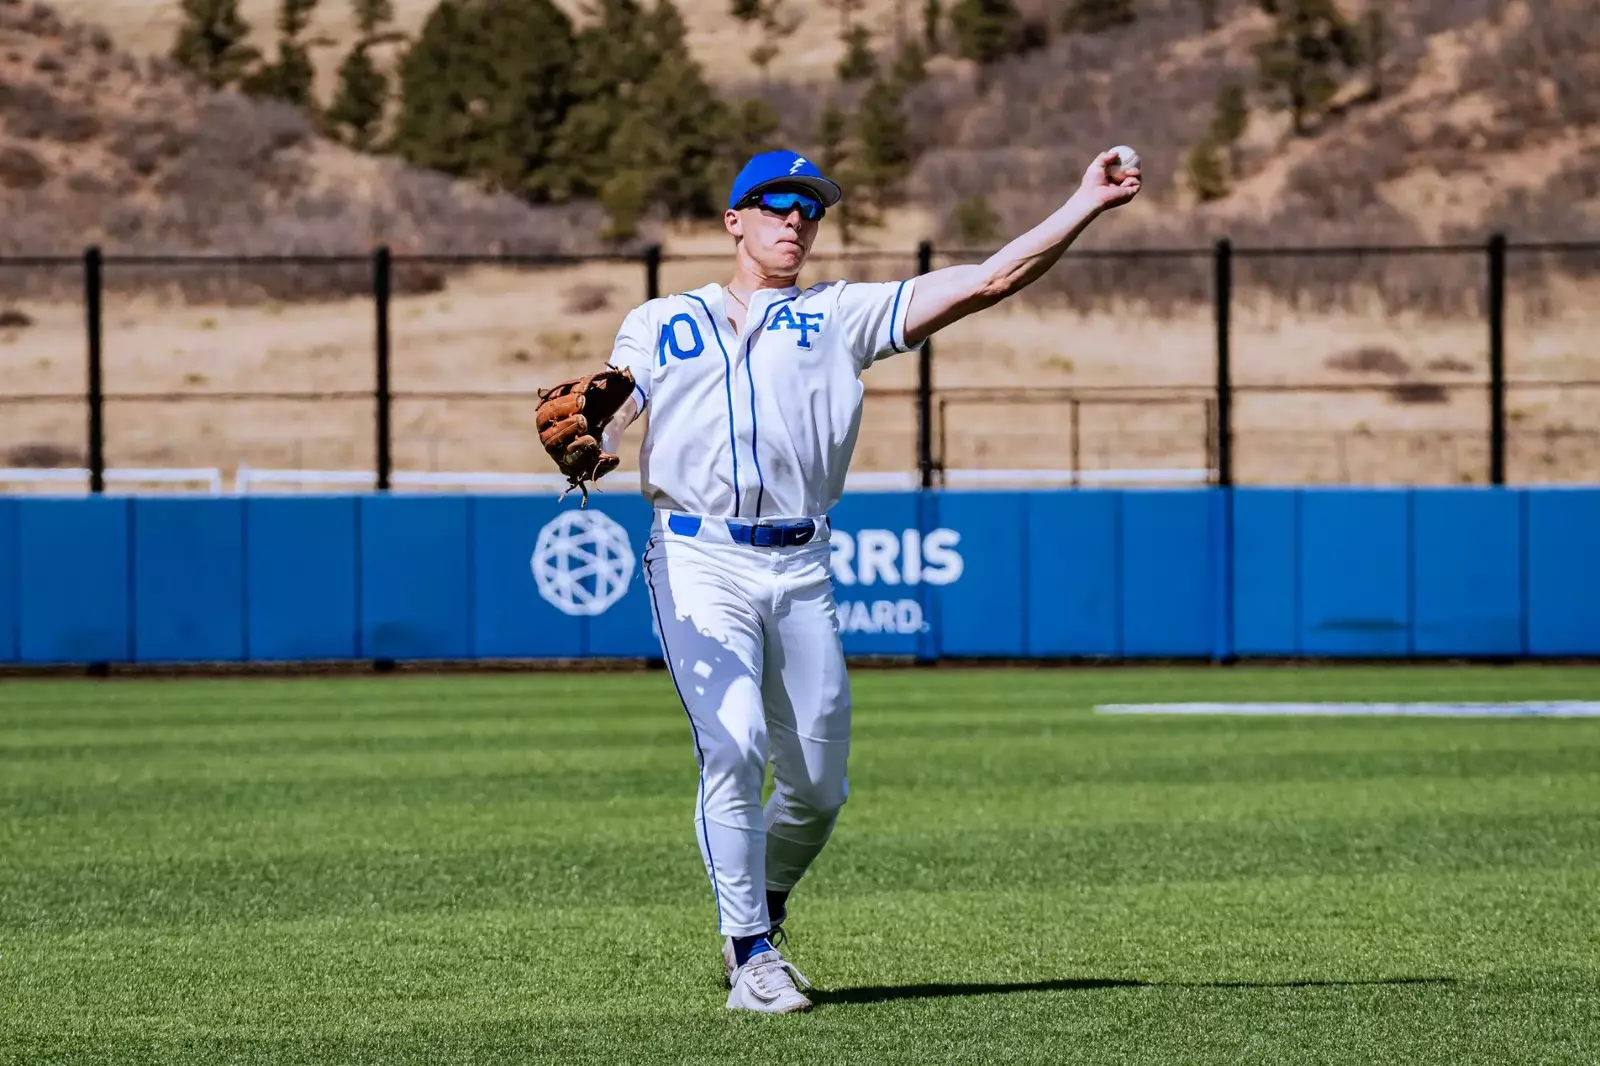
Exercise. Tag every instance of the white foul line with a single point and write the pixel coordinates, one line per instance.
(1522, 709)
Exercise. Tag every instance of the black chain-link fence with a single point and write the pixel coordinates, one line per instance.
(1401, 365)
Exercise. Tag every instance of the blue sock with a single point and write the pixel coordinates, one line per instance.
(746, 946)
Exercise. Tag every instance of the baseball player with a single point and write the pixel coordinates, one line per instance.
(754, 395)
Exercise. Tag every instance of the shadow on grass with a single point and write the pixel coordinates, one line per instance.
(887, 993)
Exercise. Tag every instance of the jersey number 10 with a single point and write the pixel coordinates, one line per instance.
(672, 340)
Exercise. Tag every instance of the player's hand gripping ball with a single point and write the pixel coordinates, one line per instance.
(1113, 178)
(571, 418)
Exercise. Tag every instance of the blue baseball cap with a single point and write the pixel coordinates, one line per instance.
(783, 167)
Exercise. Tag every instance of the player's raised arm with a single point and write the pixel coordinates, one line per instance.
(952, 293)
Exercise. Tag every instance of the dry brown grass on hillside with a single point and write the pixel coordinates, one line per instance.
(1470, 86)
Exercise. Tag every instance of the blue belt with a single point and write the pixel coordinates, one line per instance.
(784, 534)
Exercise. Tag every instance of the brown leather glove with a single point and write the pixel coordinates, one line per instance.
(571, 418)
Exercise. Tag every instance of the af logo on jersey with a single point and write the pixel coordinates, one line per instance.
(806, 323)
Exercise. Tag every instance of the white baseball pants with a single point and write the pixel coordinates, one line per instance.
(751, 637)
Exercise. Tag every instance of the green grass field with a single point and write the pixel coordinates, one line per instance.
(444, 870)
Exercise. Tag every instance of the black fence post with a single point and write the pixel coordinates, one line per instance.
(652, 272)
(382, 277)
(925, 385)
(93, 264)
(1497, 359)
(1223, 292)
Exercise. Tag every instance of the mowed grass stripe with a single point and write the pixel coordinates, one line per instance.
(530, 771)
(212, 821)
(1281, 932)
(615, 870)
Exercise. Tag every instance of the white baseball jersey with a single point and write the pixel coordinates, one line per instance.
(761, 424)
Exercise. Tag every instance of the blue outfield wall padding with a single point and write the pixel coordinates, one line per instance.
(984, 601)
(512, 619)
(1563, 571)
(1221, 574)
(74, 580)
(188, 580)
(1355, 572)
(1266, 572)
(627, 628)
(302, 581)
(1166, 587)
(1074, 567)
(1466, 554)
(416, 577)
(10, 628)
(879, 612)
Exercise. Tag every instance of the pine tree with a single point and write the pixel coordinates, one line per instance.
(847, 12)
(1230, 117)
(1375, 45)
(754, 128)
(362, 96)
(1205, 172)
(645, 107)
(985, 30)
(359, 102)
(836, 156)
(975, 222)
(858, 63)
(484, 89)
(212, 42)
(372, 16)
(1095, 16)
(910, 66)
(777, 21)
(289, 78)
(884, 138)
(931, 14)
(1298, 63)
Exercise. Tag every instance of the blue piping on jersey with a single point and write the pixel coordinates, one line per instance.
(727, 381)
(894, 319)
(749, 347)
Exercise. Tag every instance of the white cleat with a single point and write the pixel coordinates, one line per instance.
(776, 937)
(766, 984)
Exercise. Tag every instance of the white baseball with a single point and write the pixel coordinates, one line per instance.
(1126, 159)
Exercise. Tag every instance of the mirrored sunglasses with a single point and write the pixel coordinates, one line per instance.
(781, 203)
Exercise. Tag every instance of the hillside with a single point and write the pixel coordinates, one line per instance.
(97, 145)
(1470, 88)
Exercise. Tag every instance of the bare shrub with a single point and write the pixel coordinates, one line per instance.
(12, 318)
(43, 21)
(1419, 392)
(147, 143)
(1449, 364)
(21, 169)
(1542, 73)
(1371, 359)
(43, 455)
(587, 298)
(88, 183)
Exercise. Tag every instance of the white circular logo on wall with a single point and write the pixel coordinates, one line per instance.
(582, 562)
